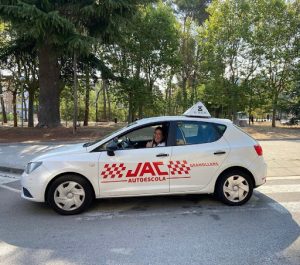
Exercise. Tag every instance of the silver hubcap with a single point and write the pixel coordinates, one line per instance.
(236, 188)
(69, 195)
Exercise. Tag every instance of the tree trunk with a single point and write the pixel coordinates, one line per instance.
(108, 104)
(4, 116)
(169, 94)
(250, 105)
(87, 97)
(96, 109)
(274, 105)
(49, 77)
(66, 112)
(104, 100)
(75, 96)
(30, 107)
(141, 111)
(97, 98)
(184, 93)
(130, 108)
(14, 103)
(193, 86)
(25, 108)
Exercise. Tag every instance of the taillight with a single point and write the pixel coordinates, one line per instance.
(258, 150)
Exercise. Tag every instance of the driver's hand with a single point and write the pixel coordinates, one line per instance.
(149, 144)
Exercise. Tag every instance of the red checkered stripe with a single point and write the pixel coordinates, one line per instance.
(179, 167)
(113, 170)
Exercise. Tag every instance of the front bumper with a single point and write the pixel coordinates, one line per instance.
(34, 184)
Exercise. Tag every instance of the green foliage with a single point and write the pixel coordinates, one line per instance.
(160, 58)
(249, 52)
(144, 56)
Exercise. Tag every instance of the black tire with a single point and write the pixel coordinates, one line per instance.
(223, 195)
(82, 184)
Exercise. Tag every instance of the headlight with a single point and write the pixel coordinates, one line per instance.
(32, 166)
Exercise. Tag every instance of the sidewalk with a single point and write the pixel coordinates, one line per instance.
(17, 155)
(282, 157)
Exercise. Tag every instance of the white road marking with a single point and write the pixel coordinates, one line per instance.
(123, 251)
(283, 178)
(10, 188)
(8, 177)
(285, 207)
(6, 180)
(267, 189)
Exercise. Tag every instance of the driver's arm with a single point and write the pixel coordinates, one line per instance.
(149, 144)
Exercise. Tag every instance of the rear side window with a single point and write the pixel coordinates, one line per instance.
(198, 132)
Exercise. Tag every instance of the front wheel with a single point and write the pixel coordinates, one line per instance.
(69, 194)
(234, 188)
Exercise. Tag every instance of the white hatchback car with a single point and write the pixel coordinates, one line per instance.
(199, 155)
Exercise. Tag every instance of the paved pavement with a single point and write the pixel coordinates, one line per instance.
(283, 157)
(189, 229)
(17, 155)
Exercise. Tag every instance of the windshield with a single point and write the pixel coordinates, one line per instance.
(100, 139)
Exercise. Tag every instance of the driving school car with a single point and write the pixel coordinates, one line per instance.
(201, 155)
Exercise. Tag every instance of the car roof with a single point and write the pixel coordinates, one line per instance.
(182, 118)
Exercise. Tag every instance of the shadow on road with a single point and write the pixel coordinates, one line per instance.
(149, 230)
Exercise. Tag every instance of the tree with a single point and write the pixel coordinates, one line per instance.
(192, 13)
(21, 54)
(193, 9)
(2, 42)
(145, 55)
(245, 42)
(230, 57)
(58, 27)
(276, 32)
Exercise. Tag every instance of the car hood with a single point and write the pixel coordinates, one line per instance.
(62, 151)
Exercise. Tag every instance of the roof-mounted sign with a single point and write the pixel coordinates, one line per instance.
(198, 110)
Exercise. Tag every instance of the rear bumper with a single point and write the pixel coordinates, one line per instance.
(259, 171)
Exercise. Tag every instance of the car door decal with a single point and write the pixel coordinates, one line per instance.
(113, 170)
(143, 172)
(179, 167)
(149, 171)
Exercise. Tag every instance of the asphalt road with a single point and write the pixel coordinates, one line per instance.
(156, 230)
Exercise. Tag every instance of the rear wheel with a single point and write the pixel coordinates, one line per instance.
(234, 188)
(69, 194)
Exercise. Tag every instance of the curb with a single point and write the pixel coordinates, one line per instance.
(11, 170)
(279, 139)
(53, 143)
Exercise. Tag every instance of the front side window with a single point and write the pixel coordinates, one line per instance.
(154, 135)
(194, 132)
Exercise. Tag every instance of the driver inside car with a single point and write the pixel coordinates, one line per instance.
(158, 138)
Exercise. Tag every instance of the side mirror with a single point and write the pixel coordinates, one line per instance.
(111, 150)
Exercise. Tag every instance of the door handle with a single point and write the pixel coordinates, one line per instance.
(162, 154)
(219, 153)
